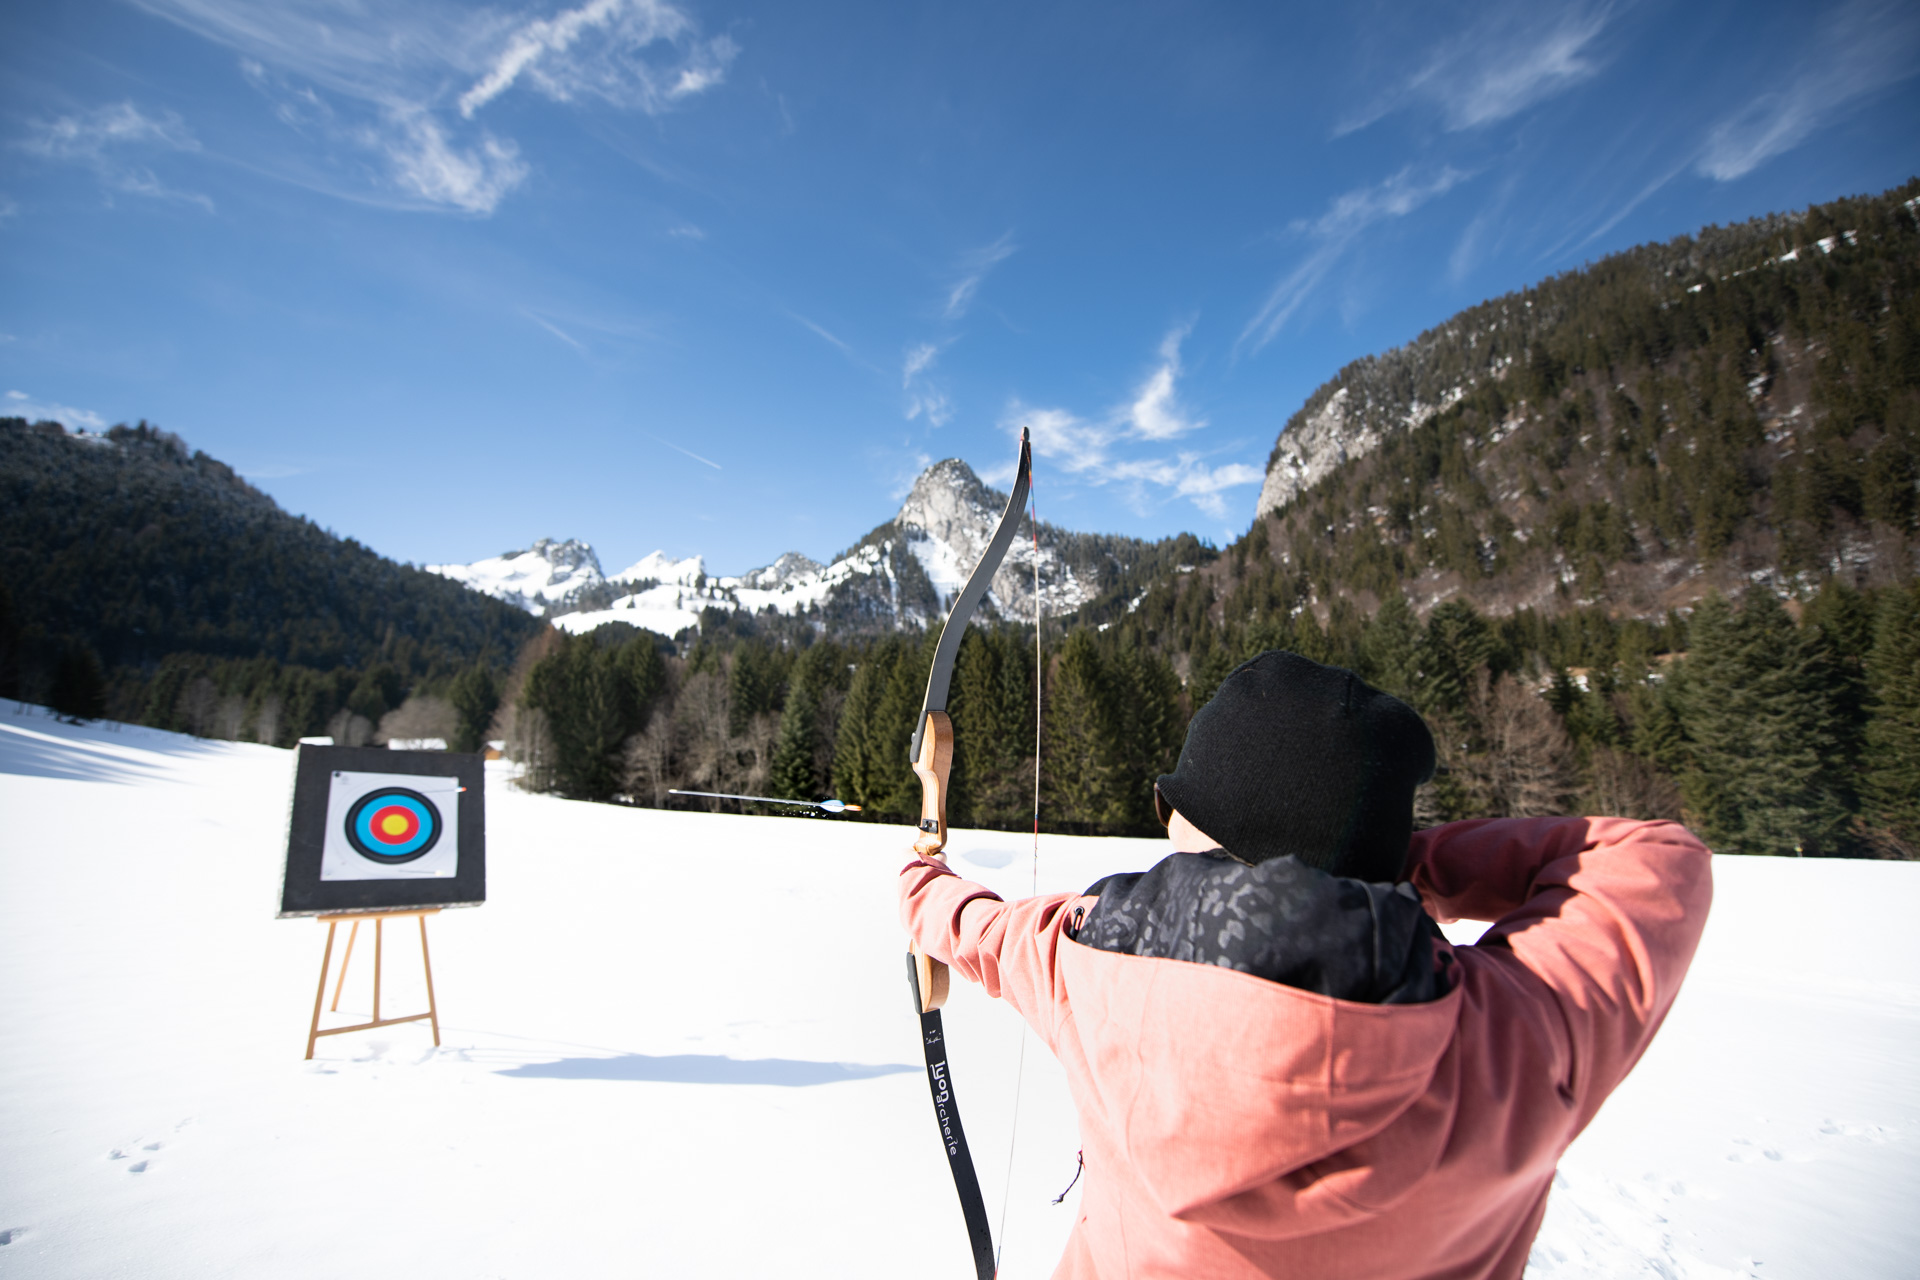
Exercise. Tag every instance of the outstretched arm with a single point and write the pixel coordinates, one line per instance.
(1010, 948)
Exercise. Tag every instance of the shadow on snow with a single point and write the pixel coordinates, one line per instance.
(35, 743)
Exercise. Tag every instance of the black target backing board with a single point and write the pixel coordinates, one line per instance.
(379, 830)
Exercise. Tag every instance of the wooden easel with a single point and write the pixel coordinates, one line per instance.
(379, 919)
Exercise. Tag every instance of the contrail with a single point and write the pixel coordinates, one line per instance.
(690, 453)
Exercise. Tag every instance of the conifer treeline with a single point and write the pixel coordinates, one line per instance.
(1770, 735)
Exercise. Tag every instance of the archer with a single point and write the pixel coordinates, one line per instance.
(1281, 1067)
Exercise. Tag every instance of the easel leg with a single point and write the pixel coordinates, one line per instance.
(345, 960)
(433, 1010)
(326, 960)
(378, 921)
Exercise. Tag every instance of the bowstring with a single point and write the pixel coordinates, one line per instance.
(1020, 1070)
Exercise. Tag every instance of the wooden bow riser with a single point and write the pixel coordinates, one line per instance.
(933, 768)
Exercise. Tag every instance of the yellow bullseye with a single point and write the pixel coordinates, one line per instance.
(394, 825)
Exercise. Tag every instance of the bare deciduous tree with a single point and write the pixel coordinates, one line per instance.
(1524, 768)
(349, 729)
(199, 707)
(419, 718)
(700, 719)
(530, 745)
(1627, 786)
(266, 719)
(650, 759)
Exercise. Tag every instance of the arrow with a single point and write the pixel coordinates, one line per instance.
(831, 806)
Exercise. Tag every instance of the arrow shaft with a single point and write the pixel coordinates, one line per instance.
(726, 795)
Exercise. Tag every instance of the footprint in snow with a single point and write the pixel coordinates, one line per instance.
(11, 1234)
(136, 1146)
(1751, 1154)
(1875, 1133)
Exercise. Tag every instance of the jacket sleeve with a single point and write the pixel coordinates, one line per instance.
(1596, 918)
(1010, 948)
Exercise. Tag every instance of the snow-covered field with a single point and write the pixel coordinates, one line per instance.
(680, 1045)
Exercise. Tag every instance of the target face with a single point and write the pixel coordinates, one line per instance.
(393, 825)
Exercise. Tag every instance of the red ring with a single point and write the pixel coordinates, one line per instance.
(377, 824)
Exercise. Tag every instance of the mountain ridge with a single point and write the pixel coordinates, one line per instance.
(900, 574)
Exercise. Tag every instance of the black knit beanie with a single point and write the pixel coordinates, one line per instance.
(1292, 757)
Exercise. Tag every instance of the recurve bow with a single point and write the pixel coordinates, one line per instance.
(932, 756)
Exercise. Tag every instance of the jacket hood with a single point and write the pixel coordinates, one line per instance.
(1247, 1105)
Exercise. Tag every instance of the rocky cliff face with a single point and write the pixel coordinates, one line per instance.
(947, 521)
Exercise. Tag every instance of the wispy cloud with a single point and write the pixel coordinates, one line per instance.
(473, 179)
(1331, 235)
(104, 139)
(554, 56)
(925, 398)
(1096, 449)
(1862, 48)
(919, 359)
(20, 404)
(408, 83)
(1155, 413)
(686, 231)
(1482, 235)
(973, 269)
(1516, 55)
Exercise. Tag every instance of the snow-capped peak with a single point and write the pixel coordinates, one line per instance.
(789, 568)
(540, 578)
(663, 568)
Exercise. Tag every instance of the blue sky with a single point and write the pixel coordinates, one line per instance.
(722, 277)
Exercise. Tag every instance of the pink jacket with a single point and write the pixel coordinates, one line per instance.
(1235, 1127)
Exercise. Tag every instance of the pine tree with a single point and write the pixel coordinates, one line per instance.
(1081, 774)
(753, 685)
(1390, 649)
(794, 748)
(860, 774)
(1457, 644)
(475, 694)
(1892, 756)
(993, 705)
(1763, 719)
(1151, 728)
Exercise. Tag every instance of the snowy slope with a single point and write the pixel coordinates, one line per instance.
(679, 1044)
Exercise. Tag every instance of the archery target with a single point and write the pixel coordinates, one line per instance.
(391, 826)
